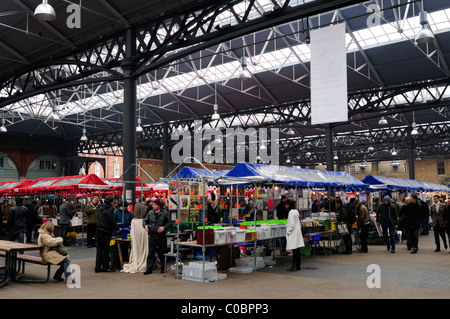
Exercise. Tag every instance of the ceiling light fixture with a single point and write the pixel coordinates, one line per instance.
(84, 137)
(414, 130)
(290, 131)
(263, 146)
(54, 115)
(425, 34)
(215, 116)
(45, 12)
(382, 121)
(244, 74)
(3, 128)
(139, 128)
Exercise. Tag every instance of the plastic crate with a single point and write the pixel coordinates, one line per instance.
(241, 270)
(240, 236)
(220, 236)
(194, 273)
(199, 264)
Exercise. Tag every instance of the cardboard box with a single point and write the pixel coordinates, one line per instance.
(251, 235)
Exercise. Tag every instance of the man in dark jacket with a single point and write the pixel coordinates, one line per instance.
(156, 222)
(65, 217)
(106, 224)
(31, 219)
(343, 216)
(283, 213)
(412, 219)
(388, 218)
(17, 221)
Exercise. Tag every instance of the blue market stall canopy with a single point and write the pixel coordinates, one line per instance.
(245, 173)
(435, 187)
(398, 184)
(198, 173)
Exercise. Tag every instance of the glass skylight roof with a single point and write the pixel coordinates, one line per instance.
(41, 106)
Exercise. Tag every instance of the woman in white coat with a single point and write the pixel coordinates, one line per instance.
(294, 236)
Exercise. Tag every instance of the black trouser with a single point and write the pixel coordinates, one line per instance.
(29, 234)
(413, 238)
(91, 234)
(296, 258)
(363, 236)
(439, 231)
(64, 229)
(156, 243)
(102, 257)
(348, 242)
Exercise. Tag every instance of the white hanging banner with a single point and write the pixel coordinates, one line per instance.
(328, 75)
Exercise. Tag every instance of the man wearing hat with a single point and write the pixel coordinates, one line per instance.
(387, 217)
(156, 222)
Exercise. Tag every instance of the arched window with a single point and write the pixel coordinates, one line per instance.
(116, 169)
(97, 169)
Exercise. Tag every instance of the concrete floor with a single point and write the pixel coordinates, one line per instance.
(403, 276)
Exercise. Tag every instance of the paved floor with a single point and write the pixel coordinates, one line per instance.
(425, 275)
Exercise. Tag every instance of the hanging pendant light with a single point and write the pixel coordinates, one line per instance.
(45, 12)
(382, 121)
(414, 130)
(244, 74)
(54, 115)
(425, 35)
(139, 128)
(3, 128)
(215, 116)
(84, 137)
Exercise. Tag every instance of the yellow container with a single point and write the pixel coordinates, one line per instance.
(333, 226)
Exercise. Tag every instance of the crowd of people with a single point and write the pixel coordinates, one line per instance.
(105, 220)
(412, 216)
(149, 222)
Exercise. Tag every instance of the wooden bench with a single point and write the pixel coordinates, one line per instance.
(22, 258)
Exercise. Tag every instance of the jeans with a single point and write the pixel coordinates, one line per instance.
(156, 244)
(389, 239)
(20, 235)
(63, 265)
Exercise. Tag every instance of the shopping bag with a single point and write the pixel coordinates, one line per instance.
(342, 228)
